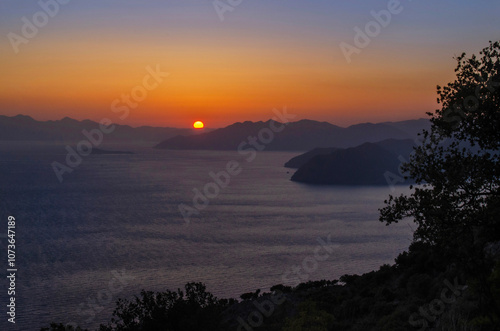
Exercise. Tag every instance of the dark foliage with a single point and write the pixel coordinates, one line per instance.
(456, 204)
(196, 309)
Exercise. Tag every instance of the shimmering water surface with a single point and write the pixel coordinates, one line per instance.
(118, 215)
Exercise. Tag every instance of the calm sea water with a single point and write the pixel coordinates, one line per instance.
(118, 215)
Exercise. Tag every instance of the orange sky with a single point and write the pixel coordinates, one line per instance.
(221, 73)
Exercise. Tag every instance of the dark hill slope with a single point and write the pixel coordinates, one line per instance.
(366, 164)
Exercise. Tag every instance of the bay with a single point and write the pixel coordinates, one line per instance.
(113, 227)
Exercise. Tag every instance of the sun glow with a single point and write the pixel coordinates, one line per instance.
(198, 125)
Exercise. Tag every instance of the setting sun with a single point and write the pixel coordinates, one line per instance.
(198, 125)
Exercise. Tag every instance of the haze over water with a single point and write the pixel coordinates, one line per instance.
(120, 213)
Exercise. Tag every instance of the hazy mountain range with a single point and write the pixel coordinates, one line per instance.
(23, 127)
(357, 155)
(302, 135)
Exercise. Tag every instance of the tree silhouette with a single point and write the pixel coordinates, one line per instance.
(455, 203)
(194, 310)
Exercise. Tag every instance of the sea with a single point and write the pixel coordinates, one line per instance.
(154, 220)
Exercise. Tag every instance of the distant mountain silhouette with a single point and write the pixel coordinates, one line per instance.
(23, 127)
(298, 136)
(300, 160)
(362, 165)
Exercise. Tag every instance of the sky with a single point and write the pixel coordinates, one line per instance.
(170, 63)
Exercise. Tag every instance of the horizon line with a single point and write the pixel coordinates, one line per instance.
(209, 128)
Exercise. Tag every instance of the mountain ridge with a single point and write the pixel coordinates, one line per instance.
(25, 128)
(302, 135)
